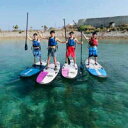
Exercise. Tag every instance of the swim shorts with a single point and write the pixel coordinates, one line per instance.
(71, 52)
(93, 51)
(52, 52)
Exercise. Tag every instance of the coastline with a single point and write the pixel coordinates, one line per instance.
(60, 34)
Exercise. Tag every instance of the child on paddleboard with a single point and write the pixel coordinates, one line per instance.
(36, 47)
(52, 47)
(71, 47)
(93, 43)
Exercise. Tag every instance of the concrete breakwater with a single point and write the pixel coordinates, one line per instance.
(104, 21)
(60, 34)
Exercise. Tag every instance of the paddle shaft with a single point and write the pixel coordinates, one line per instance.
(65, 30)
(81, 46)
(66, 38)
(81, 41)
(78, 28)
(26, 46)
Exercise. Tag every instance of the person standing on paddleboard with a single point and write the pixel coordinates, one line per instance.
(52, 47)
(71, 47)
(36, 47)
(93, 43)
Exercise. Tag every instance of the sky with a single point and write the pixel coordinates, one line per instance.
(52, 12)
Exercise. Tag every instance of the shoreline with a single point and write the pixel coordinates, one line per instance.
(60, 34)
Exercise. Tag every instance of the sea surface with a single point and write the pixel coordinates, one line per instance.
(86, 102)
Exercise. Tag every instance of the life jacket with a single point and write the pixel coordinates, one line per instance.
(52, 41)
(71, 42)
(93, 42)
(36, 43)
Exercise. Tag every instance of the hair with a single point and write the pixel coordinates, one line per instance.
(52, 31)
(35, 34)
(94, 33)
(71, 32)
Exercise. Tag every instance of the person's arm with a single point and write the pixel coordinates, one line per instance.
(58, 40)
(85, 37)
(78, 42)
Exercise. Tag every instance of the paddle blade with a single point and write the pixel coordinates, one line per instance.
(26, 47)
(81, 67)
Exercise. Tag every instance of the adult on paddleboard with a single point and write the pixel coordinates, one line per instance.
(93, 44)
(71, 47)
(52, 47)
(36, 47)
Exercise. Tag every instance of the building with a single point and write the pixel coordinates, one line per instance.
(105, 21)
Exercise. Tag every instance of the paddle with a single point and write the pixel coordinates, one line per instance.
(66, 38)
(81, 64)
(26, 46)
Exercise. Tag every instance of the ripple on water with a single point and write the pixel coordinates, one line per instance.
(86, 102)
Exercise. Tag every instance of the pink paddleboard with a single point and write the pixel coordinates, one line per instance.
(65, 72)
(69, 71)
(41, 76)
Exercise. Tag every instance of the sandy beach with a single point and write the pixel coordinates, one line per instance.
(60, 34)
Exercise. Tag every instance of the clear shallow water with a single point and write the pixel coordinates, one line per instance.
(86, 102)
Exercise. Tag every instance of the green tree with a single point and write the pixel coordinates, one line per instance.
(15, 27)
(86, 28)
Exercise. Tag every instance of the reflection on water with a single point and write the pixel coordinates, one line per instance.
(86, 102)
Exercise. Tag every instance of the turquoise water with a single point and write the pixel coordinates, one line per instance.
(86, 102)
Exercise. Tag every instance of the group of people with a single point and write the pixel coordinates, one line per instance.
(70, 49)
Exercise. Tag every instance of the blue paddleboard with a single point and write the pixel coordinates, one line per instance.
(33, 70)
(95, 70)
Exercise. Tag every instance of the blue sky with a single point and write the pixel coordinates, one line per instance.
(51, 12)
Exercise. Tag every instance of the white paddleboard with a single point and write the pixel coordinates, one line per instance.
(48, 74)
(95, 69)
(69, 70)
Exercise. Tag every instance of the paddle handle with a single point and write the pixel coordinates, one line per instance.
(26, 46)
(65, 29)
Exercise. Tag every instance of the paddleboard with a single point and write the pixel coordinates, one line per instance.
(69, 71)
(33, 70)
(96, 70)
(48, 74)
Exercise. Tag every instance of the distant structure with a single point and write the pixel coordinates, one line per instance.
(105, 21)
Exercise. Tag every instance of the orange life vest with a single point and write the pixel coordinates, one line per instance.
(93, 42)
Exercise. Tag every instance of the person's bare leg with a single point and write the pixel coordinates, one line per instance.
(74, 59)
(55, 61)
(67, 60)
(34, 60)
(95, 60)
(48, 61)
(88, 60)
(40, 60)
